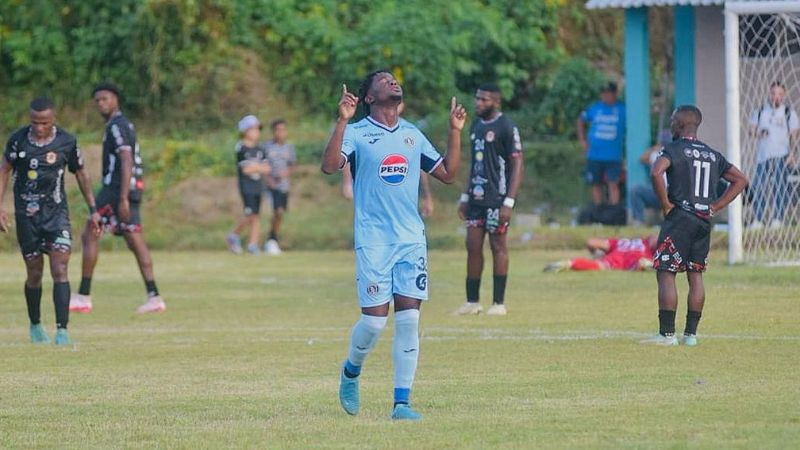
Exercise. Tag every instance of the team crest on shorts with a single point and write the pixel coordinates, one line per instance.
(50, 157)
(373, 289)
(393, 169)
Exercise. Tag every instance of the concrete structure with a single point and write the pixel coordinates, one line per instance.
(700, 76)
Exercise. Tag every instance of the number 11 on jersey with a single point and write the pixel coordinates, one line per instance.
(702, 175)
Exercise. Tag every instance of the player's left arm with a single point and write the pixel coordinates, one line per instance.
(515, 161)
(125, 155)
(447, 171)
(427, 196)
(738, 181)
(659, 186)
(75, 165)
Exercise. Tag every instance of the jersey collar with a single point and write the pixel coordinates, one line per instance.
(382, 126)
(43, 144)
(486, 122)
(116, 114)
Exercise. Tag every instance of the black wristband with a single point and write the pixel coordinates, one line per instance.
(92, 209)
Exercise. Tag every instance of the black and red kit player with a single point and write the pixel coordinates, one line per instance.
(689, 200)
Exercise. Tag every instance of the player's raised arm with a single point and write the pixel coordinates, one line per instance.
(738, 181)
(659, 185)
(448, 170)
(332, 158)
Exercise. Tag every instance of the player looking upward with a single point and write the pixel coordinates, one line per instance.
(489, 197)
(118, 201)
(693, 170)
(38, 155)
(386, 155)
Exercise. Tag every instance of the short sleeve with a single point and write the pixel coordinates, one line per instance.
(664, 153)
(612, 244)
(724, 165)
(586, 114)
(122, 138)
(794, 123)
(348, 146)
(429, 157)
(10, 153)
(512, 141)
(74, 158)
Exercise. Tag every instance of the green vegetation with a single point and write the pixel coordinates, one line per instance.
(247, 356)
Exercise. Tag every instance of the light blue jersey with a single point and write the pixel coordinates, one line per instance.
(386, 164)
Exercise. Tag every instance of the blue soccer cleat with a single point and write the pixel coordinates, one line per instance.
(348, 394)
(62, 337)
(689, 340)
(661, 340)
(403, 411)
(38, 334)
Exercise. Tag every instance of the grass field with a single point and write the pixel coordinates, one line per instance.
(248, 354)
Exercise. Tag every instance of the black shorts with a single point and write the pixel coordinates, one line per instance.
(252, 202)
(37, 235)
(683, 243)
(487, 217)
(280, 200)
(107, 203)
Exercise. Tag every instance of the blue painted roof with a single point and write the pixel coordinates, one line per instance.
(600, 4)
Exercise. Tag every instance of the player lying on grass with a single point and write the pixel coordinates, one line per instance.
(386, 156)
(693, 170)
(39, 155)
(615, 254)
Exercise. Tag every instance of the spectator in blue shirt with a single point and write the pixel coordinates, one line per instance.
(603, 145)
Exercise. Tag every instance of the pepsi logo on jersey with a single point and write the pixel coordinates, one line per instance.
(393, 169)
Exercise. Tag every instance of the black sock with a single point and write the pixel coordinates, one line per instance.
(666, 322)
(61, 301)
(500, 289)
(692, 319)
(473, 290)
(86, 286)
(272, 236)
(150, 287)
(33, 297)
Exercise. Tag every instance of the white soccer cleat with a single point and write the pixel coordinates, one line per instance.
(153, 304)
(81, 304)
(497, 310)
(776, 223)
(272, 247)
(469, 309)
(661, 340)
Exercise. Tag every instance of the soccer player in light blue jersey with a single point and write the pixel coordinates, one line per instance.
(387, 155)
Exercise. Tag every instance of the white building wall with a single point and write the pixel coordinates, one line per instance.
(710, 74)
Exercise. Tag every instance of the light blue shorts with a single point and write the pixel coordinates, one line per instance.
(385, 270)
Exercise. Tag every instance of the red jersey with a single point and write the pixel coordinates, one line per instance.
(624, 254)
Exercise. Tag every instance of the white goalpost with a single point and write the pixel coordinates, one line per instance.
(762, 46)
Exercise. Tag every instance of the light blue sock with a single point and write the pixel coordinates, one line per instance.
(405, 351)
(363, 338)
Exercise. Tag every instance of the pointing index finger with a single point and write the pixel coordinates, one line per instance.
(453, 104)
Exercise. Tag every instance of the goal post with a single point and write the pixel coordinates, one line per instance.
(762, 45)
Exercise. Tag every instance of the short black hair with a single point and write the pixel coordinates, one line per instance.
(274, 124)
(609, 87)
(777, 83)
(366, 84)
(106, 86)
(40, 104)
(688, 110)
(489, 87)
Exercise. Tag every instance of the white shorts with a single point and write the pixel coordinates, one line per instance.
(385, 270)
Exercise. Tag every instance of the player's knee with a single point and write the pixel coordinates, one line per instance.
(59, 271)
(374, 323)
(34, 279)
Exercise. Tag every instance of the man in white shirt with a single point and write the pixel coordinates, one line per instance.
(776, 127)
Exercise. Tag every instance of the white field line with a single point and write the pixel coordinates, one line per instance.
(183, 336)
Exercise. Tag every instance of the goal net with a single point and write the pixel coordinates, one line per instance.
(765, 224)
